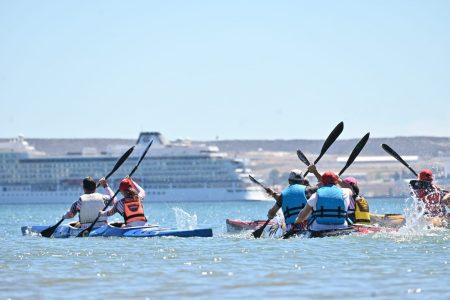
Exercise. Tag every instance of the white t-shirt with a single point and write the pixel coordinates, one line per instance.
(312, 201)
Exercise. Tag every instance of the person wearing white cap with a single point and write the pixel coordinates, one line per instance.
(292, 199)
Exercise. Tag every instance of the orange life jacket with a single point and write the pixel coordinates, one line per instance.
(133, 210)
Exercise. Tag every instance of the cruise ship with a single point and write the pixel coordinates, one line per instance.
(171, 172)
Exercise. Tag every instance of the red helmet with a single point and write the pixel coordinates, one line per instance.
(329, 178)
(126, 184)
(426, 175)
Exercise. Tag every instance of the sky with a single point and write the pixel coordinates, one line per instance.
(210, 70)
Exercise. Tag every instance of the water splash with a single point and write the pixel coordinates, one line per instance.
(184, 219)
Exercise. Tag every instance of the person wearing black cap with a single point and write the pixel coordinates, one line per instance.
(88, 205)
(292, 199)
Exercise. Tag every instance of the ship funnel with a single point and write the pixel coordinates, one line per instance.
(146, 137)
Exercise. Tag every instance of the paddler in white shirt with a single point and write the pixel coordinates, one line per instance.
(329, 205)
(88, 205)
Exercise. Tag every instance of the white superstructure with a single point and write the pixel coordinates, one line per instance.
(176, 171)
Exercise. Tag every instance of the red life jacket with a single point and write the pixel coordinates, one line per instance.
(432, 200)
(133, 210)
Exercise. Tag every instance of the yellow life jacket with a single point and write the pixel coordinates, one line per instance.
(362, 214)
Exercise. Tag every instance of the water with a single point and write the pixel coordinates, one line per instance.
(409, 265)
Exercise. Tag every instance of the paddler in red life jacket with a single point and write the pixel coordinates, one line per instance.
(130, 207)
(292, 199)
(358, 209)
(328, 206)
(431, 195)
(88, 205)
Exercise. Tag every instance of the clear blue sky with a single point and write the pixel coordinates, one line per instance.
(227, 69)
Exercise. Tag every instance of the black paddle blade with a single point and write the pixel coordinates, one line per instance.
(358, 148)
(120, 161)
(330, 140)
(394, 154)
(256, 181)
(258, 232)
(50, 230)
(302, 157)
(332, 137)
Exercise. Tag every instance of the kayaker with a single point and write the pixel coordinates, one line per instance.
(88, 205)
(358, 209)
(430, 194)
(292, 199)
(328, 206)
(130, 207)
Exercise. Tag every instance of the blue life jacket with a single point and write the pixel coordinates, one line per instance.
(294, 200)
(330, 207)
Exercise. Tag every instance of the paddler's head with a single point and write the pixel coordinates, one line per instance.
(89, 185)
(426, 175)
(329, 178)
(296, 177)
(127, 187)
(354, 184)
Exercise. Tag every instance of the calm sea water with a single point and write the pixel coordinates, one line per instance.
(411, 264)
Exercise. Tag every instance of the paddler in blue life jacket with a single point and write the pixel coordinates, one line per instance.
(88, 205)
(130, 207)
(292, 199)
(329, 205)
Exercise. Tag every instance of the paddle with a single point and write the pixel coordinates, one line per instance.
(328, 142)
(302, 157)
(358, 148)
(49, 231)
(394, 154)
(258, 232)
(86, 231)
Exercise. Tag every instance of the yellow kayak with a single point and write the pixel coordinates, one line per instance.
(387, 220)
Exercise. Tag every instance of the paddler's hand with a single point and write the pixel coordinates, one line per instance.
(103, 183)
(272, 212)
(270, 192)
(101, 213)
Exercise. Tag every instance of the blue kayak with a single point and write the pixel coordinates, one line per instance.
(66, 230)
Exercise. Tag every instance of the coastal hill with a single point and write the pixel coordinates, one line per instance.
(426, 147)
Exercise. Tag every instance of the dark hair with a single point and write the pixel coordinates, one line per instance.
(355, 189)
(89, 184)
(131, 192)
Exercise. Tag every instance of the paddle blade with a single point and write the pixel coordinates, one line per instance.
(330, 140)
(358, 148)
(120, 161)
(395, 155)
(302, 157)
(256, 181)
(50, 230)
(258, 232)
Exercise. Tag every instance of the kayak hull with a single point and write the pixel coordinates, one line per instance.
(66, 231)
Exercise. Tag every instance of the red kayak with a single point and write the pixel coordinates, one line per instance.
(239, 225)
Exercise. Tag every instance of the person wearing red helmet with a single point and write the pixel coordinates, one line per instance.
(431, 195)
(130, 207)
(329, 205)
(88, 205)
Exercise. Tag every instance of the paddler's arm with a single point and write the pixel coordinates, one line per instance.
(105, 185)
(279, 201)
(140, 190)
(446, 200)
(304, 214)
(313, 170)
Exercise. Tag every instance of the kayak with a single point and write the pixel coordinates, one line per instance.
(387, 220)
(276, 230)
(114, 230)
(239, 225)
